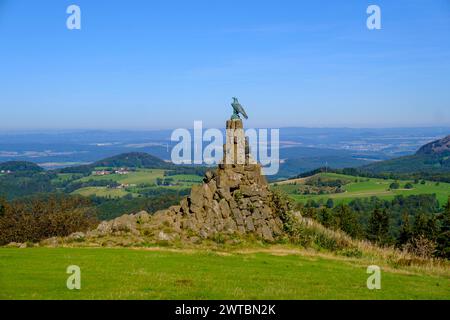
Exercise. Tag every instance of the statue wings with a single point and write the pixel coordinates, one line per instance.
(238, 108)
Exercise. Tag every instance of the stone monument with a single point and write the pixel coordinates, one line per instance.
(233, 200)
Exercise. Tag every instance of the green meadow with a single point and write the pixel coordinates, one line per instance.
(125, 273)
(101, 192)
(361, 187)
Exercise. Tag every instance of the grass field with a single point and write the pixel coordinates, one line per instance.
(64, 177)
(187, 178)
(101, 192)
(40, 273)
(368, 187)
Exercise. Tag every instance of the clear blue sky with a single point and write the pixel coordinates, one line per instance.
(163, 64)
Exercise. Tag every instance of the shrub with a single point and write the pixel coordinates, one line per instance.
(420, 247)
(351, 252)
(39, 219)
(394, 185)
(238, 195)
(309, 233)
(330, 203)
(219, 238)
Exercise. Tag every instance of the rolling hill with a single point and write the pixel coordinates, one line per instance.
(20, 166)
(128, 160)
(133, 160)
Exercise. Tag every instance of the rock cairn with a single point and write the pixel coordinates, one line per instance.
(234, 198)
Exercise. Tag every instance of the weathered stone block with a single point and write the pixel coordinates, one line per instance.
(249, 224)
(224, 193)
(212, 186)
(245, 213)
(233, 204)
(224, 208)
(267, 234)
(230, 225)
(250, 190)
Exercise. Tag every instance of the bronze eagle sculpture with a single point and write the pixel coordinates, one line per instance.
(237, 109)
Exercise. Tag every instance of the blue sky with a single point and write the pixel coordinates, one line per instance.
(164, 64)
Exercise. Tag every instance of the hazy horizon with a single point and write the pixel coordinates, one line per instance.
(66, 130)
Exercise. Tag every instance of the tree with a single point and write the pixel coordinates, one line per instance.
(378, 227)
(408, 185)
(420, 225)
(325, 217)
(405, 230)
(330, 203)
(3, 207)
(443, 239)
(394, 185)
(346, 220)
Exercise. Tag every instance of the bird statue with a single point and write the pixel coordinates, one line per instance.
(237, 109)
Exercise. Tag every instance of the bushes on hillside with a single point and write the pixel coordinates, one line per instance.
(37, 219)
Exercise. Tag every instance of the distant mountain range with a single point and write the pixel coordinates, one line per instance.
(433, 157)
(335, 147)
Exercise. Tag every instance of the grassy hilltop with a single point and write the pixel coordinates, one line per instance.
(154, 273)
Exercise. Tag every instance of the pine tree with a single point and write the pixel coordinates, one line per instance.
(420, 225)
(378, 227)
(405, 230)
(443, 239)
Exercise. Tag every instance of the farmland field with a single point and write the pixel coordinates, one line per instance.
(64, 177)
(134, 177)
(360, 187)
(153, 273)
(135, 181)
(101, 192)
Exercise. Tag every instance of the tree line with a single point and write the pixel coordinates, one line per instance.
(416, 224)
